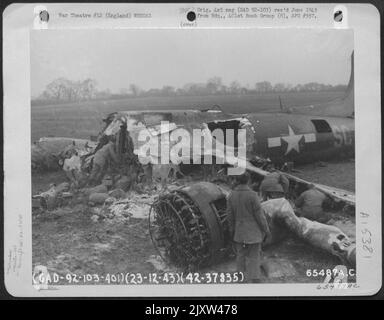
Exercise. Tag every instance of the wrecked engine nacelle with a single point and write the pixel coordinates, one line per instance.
(188, 226)
(325, 237)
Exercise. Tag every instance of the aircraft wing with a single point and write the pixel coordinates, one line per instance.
(347, 198)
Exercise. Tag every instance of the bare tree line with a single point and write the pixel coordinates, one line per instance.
(63, 90)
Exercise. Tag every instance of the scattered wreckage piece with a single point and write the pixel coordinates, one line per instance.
(47, 152)
(101, 188)
(135, 206)
(160, 265)
(53, 197)
(189, 227)
(98, 198)
(322, 236)
(124, 208)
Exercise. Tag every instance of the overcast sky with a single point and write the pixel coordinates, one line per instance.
(154, 58)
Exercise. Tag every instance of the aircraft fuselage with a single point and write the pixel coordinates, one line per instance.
(301, 138)
(280, 137)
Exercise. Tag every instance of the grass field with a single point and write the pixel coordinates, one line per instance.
(84, 119)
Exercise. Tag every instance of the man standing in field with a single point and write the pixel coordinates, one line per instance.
(130, 164)
(248, 226)
(101, 158)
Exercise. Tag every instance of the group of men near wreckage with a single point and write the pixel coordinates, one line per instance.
(247, 222)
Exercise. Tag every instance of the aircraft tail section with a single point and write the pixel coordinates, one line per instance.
(340, 107)
(349, 98)
(351, 82)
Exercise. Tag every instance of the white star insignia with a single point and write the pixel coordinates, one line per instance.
(293, 140)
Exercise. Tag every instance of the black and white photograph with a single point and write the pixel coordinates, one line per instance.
(107, 201)
(228, 159)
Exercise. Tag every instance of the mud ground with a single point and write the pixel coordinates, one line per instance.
(66, 240)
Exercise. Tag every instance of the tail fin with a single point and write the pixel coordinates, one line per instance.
(340, 107)
(351, 82)
(349, 98)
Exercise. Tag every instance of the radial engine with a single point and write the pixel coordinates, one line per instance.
(189, 227)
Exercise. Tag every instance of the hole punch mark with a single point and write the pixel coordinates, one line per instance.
(338, 16)
(191, 16)
(44, 16)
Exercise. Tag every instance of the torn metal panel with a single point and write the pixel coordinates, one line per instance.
(47, 152)
(235, 124)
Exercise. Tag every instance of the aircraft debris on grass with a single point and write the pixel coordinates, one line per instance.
(299, 135)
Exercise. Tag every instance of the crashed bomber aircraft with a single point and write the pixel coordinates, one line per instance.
(301, 134)
(190, 223)
(305, 134)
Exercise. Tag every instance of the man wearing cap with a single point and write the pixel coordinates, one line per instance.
(274, 185)
(248, 226)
